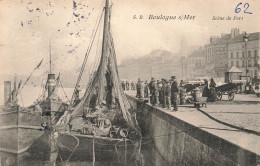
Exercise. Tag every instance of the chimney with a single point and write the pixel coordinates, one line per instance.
(213, 39)
(7, 92)
(234, 32)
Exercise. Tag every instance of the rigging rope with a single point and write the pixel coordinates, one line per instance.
(64, 91)
(21, 99)
(86, 57)
(95, 64)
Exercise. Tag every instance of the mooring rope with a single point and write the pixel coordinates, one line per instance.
(229, 125)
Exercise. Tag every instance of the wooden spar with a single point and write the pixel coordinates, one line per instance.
(103, 55)
(94, 155)
(50, 54)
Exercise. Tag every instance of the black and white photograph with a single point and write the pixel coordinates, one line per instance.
(129, 83)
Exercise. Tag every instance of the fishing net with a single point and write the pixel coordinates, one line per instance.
(104, 82)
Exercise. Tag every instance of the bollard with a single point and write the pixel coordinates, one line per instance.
(7, 92)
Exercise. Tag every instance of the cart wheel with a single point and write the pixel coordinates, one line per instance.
(219, 95)
(231, 96)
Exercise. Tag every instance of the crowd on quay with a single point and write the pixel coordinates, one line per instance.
(167, 93)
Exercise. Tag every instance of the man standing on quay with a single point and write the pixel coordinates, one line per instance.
(167, 95)
(174, 93)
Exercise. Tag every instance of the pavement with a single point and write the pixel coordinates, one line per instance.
(243, 112)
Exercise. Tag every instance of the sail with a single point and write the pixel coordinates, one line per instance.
(105, 82)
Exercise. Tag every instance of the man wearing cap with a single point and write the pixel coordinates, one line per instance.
(159, 83)
(174, 93)
(123, 85)
(141, 89)
(127, 85)
(132, 85)
(163, 101)
(151, 88)
(77, 99)
(146, 89)
(138, 88)
(155, 94)
(167, 95)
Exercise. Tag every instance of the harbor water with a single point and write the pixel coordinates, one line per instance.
(148, 157)
(37, 155)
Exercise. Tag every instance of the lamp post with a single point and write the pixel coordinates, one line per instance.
(245, 37)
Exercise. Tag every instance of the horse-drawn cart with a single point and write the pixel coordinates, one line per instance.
(227, 89)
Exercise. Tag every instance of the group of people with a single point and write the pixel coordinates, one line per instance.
(126, 85)
(167, 93)
(163, 93)
(209, 90)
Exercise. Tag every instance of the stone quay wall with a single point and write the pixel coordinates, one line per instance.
(181, 143)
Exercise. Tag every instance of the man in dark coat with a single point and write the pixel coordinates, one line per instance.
(138, 88)
(206, 90)
(174, 93)
(123, 85)
(156, 94)
(146, 90)
(127, 85)
(132, 85)
(212, 86)
(151, 88)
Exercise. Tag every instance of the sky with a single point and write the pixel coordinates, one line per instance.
(28, 27)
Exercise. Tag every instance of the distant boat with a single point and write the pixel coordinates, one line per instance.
(19, 126)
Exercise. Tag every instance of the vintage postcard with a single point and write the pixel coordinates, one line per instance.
(129, 82)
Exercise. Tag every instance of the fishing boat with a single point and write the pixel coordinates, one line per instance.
(102, 123)
(21, 126)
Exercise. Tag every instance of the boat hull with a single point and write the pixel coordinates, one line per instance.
(105, 148)
(19, 128)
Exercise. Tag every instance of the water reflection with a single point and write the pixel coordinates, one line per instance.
(37, 156)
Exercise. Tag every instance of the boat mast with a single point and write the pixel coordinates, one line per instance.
(51, 83)
(104, 53)
(50, 54)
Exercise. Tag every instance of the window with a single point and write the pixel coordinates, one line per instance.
(255, 54)
(255, 62)
(232, 63)
(243, 54)
(237, 54)
(249, 54)
(231, 55)
(243, 63)
(237, 63)
(255, 72)
(249, 63)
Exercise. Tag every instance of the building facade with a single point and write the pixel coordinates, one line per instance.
(239, 58)
(224, 52)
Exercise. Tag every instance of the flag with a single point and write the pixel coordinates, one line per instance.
(19, 85)
(39, 64)
(58, 78)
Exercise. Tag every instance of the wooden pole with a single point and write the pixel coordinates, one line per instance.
(125, 151)
(93, 151)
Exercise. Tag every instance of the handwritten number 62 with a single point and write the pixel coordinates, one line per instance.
(246, 6)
